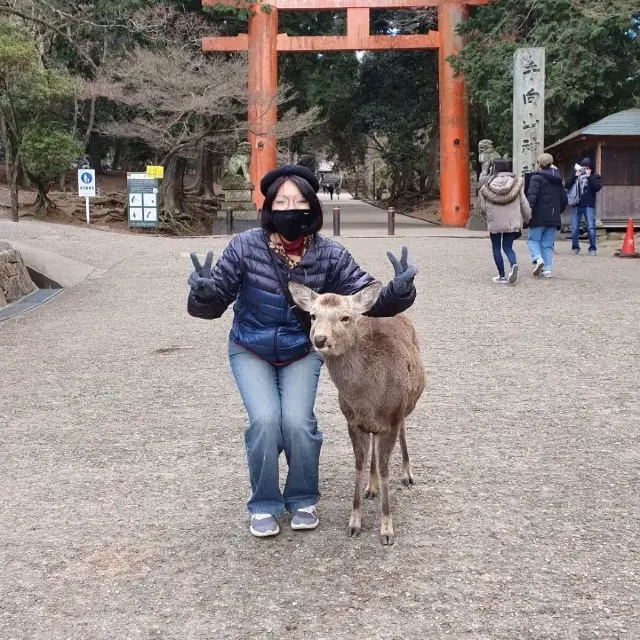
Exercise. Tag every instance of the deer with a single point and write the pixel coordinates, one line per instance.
(376, 366)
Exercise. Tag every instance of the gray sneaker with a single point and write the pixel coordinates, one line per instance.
(513, 274)
(305, 518)
(264, 525)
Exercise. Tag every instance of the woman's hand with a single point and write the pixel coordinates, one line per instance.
(200, 280)
(402, 284)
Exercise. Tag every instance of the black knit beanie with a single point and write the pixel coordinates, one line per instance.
(288, 170)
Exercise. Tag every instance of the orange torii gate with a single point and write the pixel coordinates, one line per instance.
(263, 42)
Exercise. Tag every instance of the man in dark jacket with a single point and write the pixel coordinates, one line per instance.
(548, 199)
(589, 183)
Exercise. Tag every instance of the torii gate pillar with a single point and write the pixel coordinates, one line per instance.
(263, 86)
(455, 191)
(263, 44)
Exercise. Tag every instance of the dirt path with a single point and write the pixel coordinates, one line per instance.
(123, 481)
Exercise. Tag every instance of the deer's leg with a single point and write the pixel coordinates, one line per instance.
(407, 476)
(384, 447)
(371, 490)
(360, 441)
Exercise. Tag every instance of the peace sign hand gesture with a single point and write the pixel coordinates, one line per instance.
(200, 281)
(402, 284)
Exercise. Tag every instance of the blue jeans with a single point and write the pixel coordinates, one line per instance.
(506, 239)
(540, 241)
(279, 401)
(576, 218)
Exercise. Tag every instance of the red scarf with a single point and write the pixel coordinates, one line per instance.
(292, 247)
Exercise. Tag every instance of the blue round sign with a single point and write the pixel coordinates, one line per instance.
(86, 178)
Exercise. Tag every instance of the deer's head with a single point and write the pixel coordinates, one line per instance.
(334, 318)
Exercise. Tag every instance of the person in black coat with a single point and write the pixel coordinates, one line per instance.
(589, 183)
(548, 199)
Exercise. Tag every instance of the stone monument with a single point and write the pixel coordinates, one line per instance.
(238, 207)
(528, 108)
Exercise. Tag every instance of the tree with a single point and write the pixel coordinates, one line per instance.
(29, 97)
(402, 126)
(593, 62)
(184, 105)
(47, 153)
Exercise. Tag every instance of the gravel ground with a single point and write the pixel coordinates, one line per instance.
(123, 481)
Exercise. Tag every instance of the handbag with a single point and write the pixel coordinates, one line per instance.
(573, 194)
(302, 317)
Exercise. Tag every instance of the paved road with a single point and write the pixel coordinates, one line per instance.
(360, 219)
(123, 482)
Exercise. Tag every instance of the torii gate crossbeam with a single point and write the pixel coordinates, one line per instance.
(263, 44)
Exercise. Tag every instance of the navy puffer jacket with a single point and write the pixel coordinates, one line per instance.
(263, 322)
(547, 198)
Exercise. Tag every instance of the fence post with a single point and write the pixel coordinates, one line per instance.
(336, 221)
(229, 222)
(391, 221)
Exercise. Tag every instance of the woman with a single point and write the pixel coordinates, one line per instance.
(271, 357)
(548, 199)
(505, 206)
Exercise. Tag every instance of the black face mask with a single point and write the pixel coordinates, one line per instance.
(292, 223)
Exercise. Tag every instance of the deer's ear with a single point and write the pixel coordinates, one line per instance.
(302, 296)
(365, 299)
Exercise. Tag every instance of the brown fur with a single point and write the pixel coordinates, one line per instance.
(376, 366)
(330, 300)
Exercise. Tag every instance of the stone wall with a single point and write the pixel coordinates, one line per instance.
(15, 281)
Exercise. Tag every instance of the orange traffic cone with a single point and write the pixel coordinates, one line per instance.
(629, 244)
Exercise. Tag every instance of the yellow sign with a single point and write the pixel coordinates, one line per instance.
(155, 172)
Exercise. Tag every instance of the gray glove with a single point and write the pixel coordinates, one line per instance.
(200, 281)
(402, 284)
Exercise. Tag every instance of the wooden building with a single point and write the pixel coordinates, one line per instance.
(613, 144)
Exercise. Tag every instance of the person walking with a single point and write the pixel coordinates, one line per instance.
(548, 199)
(589, 183)
(504, 204)
(270, 353)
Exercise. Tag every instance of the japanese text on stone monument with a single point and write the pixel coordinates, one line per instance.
(528, 108)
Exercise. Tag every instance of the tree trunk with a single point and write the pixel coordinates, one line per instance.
(205, 170)
(43, 202)
(95, 154)
(116, 155)
(92, 119)
(172, 190)
(15, 212)
(74, 132)
(22, 179)
(11, 166)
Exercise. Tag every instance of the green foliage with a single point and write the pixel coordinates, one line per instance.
(593, 65)
(18, 56)
(33, 100)
(28, 90)
(47, 151)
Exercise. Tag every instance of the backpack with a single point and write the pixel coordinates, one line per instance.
(574, 194)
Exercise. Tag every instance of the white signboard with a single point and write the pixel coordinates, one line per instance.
(528, 108)
(86, 183)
